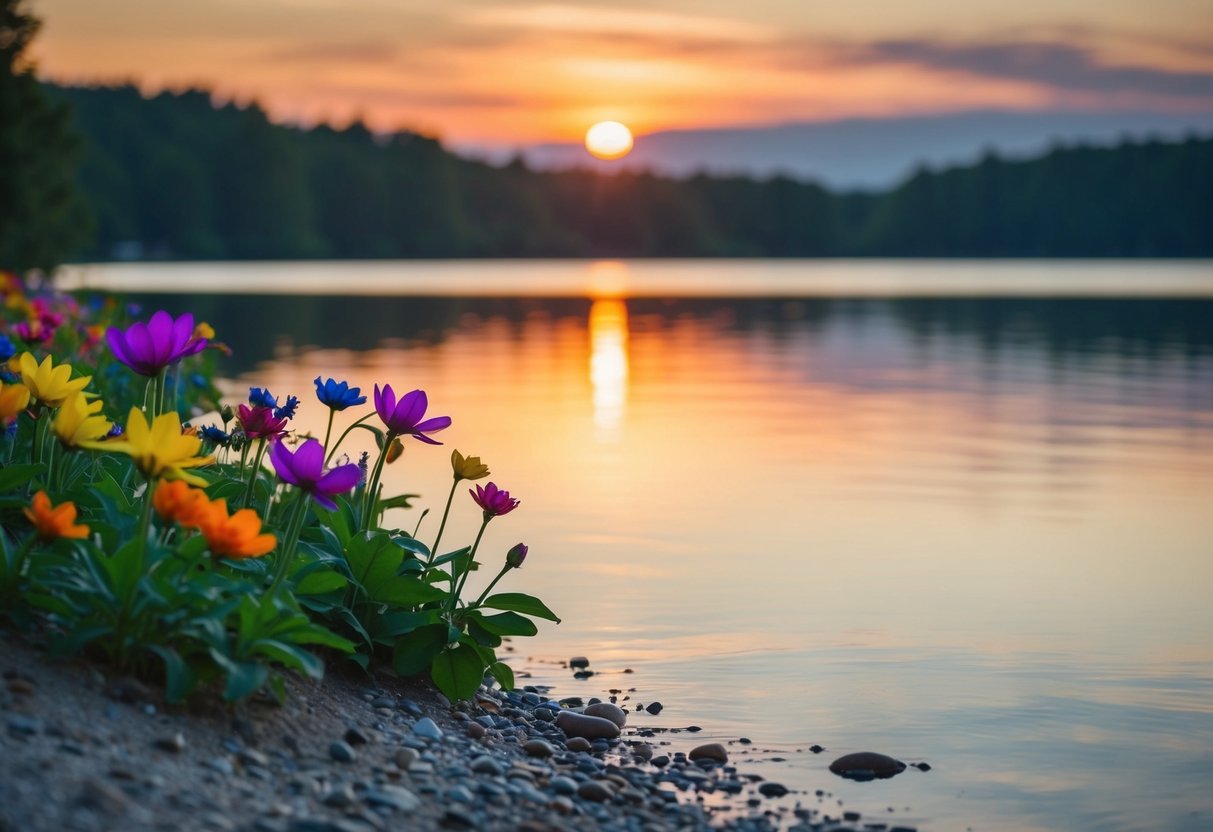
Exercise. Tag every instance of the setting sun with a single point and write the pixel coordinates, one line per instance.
(608, 140)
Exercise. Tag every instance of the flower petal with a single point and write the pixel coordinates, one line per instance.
(339, 480)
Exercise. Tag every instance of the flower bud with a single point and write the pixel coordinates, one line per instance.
(227, 414)
(516, 556)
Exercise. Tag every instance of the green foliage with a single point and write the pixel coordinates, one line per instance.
(194, 592)
(43, 220)
(183, 178)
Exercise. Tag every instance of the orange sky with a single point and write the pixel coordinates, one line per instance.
(500, 72)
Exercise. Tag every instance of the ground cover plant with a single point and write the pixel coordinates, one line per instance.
(222, 550)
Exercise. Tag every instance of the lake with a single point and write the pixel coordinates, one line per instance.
(959, 513)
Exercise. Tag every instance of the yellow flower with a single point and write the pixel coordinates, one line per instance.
(48, 384)
(77, 421)
(176, 502)
(159, 450)
(54, 521)
(204, 330)
(468, 468)
(235, 536)
(14, 398)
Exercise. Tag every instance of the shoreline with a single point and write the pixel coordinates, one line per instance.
(84, 751)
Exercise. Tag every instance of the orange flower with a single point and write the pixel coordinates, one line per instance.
(54, 521)
(177, 502)
(235, 536)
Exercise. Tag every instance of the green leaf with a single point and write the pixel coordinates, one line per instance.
(291, 656)
(450, 556)
(399, 622)
(503, 674)
(509, 624)
(416, 651)
(315, 634)
(406, 591)
(243, 678)
(320, 582)
(178, 677)
(520, 602)
(12, 476)
(399, 501)
(482, 635)
(458, 671)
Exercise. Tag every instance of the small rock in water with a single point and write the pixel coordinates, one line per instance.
(608, 711)
(772, 790)
(816, 749)
(922, 766)
(654, 708)
(589, 727)
(579, 662)
(426, 728)
(342, 751)
(710, 751)
(866, 765)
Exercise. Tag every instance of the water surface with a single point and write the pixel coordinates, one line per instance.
(960, 513)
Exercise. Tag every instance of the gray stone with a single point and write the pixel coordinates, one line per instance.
(867, 765)
(405, 757)
(426, 728)
(772, 790)
(595, 790)
(578, 744)
(563, 785)
(222, 765)
(589, 727)
(396, 797)
(173, 744)
(709, 751)
(460, 794)
(342, 751)
(579, 662)
(485, 764)
(538, 748)
(606, 710)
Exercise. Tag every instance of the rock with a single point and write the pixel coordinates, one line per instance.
(595, 790)
(20, 725)
(342, 752)
(772, 790)
(589, 727)
(538, 748)
(710, 751)
(251, 757)
(642, 751)
(426, 728)
(661, 760)
(563, 785)
(866, 765)
(816, 749)
(340, 796)
(460, 794)
(579, 662)
(174, 744)
(922, 766)
(396, 797)
(405, 757)
(606, 710)
(476, 730)
(654, 708)
(355, 736)
(578, 744)
(485, 764)
(103, 797)
(222, 765)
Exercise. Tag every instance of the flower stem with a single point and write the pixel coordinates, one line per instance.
(329, 431)
(294, 527)
(371, 497)
(252, 479)
(442, 525)
(344, 434)
(36, 450)
(489, 588)
(454, 600)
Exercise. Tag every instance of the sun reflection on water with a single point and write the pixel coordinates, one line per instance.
(609, 367)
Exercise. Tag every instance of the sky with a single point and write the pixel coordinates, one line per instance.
(502, 73)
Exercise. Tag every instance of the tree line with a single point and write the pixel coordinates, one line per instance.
(177, 176)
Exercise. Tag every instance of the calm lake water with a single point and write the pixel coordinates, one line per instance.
(959, 513)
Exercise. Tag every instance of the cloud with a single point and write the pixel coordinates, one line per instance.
(1061, 66)
(350, 52)
(605, 22)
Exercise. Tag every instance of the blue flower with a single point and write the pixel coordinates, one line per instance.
(214, 434)
(115, 431)
(258, 397)
(199, 380)
(7, 350)
(287, 411)
(338, 395)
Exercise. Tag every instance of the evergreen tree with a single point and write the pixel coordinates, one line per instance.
(42, 218)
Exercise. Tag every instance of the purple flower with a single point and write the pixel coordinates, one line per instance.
(493, 500)
(515, 556)
(147, 348)
(304, 469)
(259, 422)
(404, 417)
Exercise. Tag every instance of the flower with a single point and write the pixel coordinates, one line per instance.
(260, 397)
(54, 521)
(78, 421)
(14, 398)
(8, 350)
(515, 556)
(49, 384)
(468, 468)
(204, 331)
(287, 411)
(159, 449)
(493, 500)
(147, 348)
(305, 469)
(259, 422)
(404, 417)
(338, 395)
(211, 433)
(234, 536)
(176, 502)
(394, 450)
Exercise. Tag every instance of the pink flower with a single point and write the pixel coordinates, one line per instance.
(259, 422)
(304, 469)
(493, 500)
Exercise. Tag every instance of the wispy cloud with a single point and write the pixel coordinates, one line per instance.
(606, 21)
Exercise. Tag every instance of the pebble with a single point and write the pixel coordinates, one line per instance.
(355, 736)
(174, 744)
(710, 751)
(222, 765)
(579, 662)
(342, 751)
(104, 797)
(654, 708)
(867, 765)
(476, 730)
(396, 797)
(486, 765)
(589, 727)
(772, 790)
(595, 790)
(563, 785)
(578, 744)
(405, 757)
(426, 728)
(606, 710)
(538, 748)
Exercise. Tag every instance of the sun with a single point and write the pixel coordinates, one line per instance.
(608, 140)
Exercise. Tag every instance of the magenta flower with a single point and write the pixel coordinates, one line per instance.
(404, 417)
(304, 469)
(493, 500)
(147, 348)
(259, 422)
